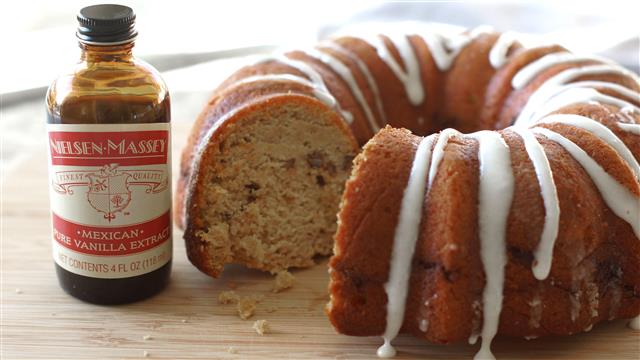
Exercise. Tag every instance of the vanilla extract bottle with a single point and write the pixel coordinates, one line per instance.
(109, 140)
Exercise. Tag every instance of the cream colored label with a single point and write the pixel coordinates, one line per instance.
(110, 194)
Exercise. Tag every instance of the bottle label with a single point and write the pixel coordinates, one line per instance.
(110, 190)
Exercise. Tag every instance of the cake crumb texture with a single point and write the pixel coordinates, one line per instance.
(247, 307)
(261, 327)
(283, 280)
(228, 297)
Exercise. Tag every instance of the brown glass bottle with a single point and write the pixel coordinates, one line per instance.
(109, 139)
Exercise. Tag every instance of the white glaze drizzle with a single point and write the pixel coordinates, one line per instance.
(630, 128)
(621, 90)
(438, 152)
(424, 325)
(365, 71)
(602, 132)
(543, 254)
(441, 56)
(473, 338)
(410, 78)
(620, 200)
(626, 112)
(527, 73)
(635, 323)
(498, 53)
(404, 241)
(573, 95)
(345, 73)
(444, 50)
(558, 83)
(315, 78)
(494, 203)
(319, 93)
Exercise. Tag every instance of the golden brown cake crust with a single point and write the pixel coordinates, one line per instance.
(446, 277)
(358, 268)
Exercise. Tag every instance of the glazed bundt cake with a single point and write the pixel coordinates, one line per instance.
(531, 230)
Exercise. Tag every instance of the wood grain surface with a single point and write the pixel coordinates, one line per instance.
(39, 321)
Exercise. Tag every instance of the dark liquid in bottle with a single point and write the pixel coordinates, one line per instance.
(114, 291)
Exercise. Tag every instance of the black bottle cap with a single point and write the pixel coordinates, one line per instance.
(106, 24)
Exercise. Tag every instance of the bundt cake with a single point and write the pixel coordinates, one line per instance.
(528, 225)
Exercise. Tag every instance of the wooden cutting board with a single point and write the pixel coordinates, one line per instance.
(185, 321)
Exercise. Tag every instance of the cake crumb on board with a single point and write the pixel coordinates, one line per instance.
(284, 280)
(261, 327)
(228, 297)
(145, 353)
(247, 307)
(146, 337)
(232, 350)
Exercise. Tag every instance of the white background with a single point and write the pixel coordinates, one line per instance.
(196, 44)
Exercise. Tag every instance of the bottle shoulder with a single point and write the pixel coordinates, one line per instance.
(150, 70)
(109, 91)
(135, 77)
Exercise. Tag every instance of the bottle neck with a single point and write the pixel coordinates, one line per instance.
(106, 53)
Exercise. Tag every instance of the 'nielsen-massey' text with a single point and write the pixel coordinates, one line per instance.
(120, 147)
